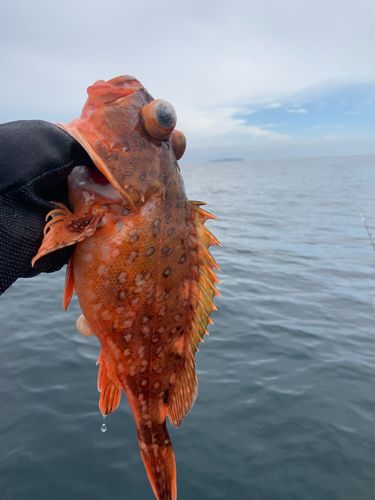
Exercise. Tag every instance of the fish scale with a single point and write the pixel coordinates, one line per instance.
(141, 268)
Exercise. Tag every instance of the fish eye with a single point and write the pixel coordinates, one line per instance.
(159, 119)
(178, 141)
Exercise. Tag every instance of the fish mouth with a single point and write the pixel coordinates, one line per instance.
(80, 137)
(91, 181)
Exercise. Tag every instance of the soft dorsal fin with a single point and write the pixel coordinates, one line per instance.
(202, 292)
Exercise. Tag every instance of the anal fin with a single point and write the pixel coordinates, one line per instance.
(66, 229)
(108, 385)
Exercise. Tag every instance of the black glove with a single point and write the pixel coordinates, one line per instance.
(36, 158)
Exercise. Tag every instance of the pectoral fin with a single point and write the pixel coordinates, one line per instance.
(66, 229)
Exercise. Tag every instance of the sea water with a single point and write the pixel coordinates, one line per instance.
(286, 404)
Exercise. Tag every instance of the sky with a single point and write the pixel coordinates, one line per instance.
(255, 80)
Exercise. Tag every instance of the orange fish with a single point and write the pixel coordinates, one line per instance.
(141, 268)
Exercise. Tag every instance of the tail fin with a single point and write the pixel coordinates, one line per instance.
(158, 457)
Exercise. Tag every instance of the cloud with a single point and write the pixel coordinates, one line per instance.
(274, 56)
(221, 126)
(297, 110)
(274, 105)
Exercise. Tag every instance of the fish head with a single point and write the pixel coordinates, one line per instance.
(130, 137)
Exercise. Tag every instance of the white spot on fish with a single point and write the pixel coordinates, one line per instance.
(106, 315)
(144, 382)
(157, 385)
(122, 278)
(163, 311)
(150, 251)
(131, 258)
(128, 337)
(103, 270)
(127, 352)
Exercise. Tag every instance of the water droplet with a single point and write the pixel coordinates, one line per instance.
(103, 428)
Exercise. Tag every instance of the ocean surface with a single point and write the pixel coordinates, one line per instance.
(286, 404)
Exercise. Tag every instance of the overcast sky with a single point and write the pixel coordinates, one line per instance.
(250, 79)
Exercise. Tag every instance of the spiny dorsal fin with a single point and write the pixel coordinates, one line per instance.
(202, 292)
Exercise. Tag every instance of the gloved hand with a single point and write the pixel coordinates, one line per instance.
(36, 158)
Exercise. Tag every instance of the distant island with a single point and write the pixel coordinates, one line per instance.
(226, 159)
